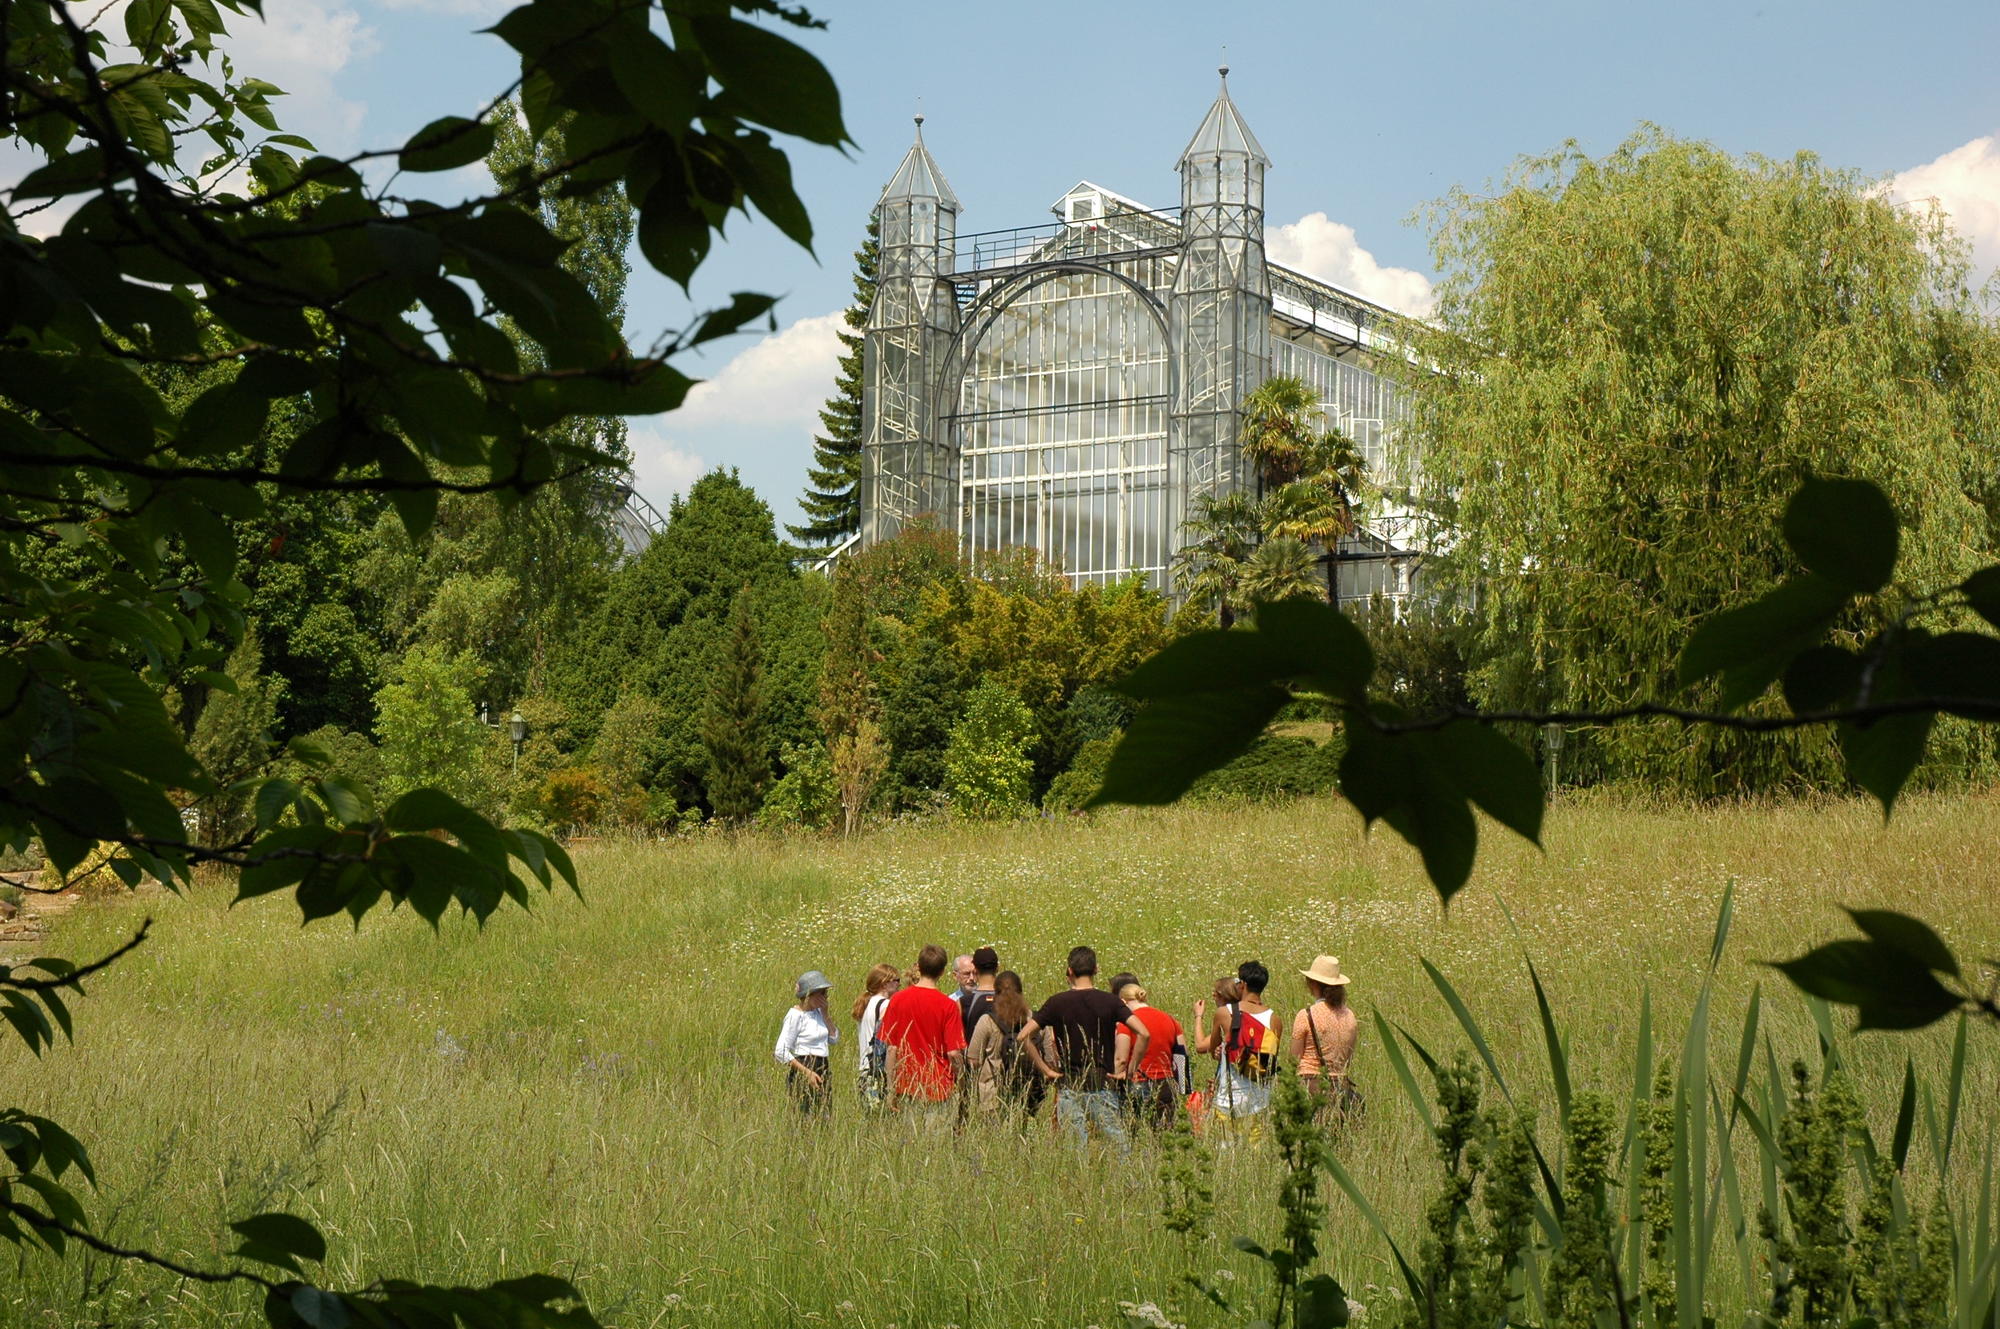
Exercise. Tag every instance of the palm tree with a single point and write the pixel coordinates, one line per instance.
(1281, 569)
(1278, 429)
(1318, 505)
(1222, 532)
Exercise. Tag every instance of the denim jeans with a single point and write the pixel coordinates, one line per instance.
(1080, 1111)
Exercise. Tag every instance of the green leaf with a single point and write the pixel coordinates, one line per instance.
(446, 144)
(343, 799)
(320, 1309)
(1440, 825)
(273, 798)
(656, 81)
(1821, 679)
(1844, 530)
(673, 236)
(1322, 1304)
(770, 80)
(743, 306)
(1883, 755)
(1913, 937)
(1982, 592)
(1887, 988)
(1496, 773)
(310, 751)
(1322, 644)
(283, 1232)
(1960, 665)
(1175, 740)
(1751, 645)
(281, 859)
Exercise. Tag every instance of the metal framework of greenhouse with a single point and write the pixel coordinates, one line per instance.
(1073, 387)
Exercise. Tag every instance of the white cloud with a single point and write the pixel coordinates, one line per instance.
(1966, 184)
(1320, 247)
(783, 378)
(300, 45)
(473, 8)
(764, 401)
(661, 468)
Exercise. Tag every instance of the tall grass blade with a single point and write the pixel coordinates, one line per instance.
(1732, 1188)
(1386, 1032)
(1470, 1025)
(1558, 1056)
(1822, 1015)
(1906, 1116)
(1423, 1053)
(1746, 1048)
(1723, 917)
(1693, 1234)
(1633, 1156)
(1354, 1193)
(1953, 1092)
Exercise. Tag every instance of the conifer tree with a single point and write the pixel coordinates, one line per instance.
(732, 724)
(832, 500)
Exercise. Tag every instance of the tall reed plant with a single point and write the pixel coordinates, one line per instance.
(1722, 1186)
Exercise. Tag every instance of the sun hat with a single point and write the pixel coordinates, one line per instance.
(1326, 969)
(811, 981)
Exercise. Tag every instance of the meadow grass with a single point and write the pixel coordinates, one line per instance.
(589, 1089)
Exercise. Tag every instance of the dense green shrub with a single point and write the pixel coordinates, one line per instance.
(1069, 791)
(804, 796)
(430, 732)
(988, 771)
(1274, 767)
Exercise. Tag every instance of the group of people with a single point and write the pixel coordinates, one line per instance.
(1107, 1056)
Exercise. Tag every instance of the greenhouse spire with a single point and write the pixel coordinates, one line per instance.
(919, 176)
(1223, 132)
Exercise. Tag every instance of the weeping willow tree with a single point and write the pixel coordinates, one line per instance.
(1635, 360)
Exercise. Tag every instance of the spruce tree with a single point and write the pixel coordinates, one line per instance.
(832, 499)
(732, 724)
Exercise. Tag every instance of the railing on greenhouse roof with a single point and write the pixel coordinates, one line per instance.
(1118, 232)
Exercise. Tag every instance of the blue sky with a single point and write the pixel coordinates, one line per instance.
(1368, 112)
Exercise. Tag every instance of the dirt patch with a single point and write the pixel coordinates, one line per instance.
(28, 919)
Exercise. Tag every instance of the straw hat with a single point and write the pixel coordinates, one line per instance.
(1326, 969)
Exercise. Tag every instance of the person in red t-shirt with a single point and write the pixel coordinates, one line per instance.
(1150, 1090)
(925, 1031)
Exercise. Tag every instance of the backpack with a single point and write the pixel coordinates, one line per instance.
(980, 1003)
(1016, 1070)
(878, 1051)
(1252, 1045)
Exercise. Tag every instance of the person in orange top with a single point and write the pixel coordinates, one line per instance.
(1323, 1037)
(1150, 1091)
(925, 1031)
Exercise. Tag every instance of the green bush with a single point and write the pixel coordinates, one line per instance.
(988, 766)
(1274, 767)
(430, 733)
(1069, 791)
(804, 796)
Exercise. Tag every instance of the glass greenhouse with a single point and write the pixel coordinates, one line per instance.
(1073, 387)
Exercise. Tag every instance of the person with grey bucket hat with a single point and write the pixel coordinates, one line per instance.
(805, 1045)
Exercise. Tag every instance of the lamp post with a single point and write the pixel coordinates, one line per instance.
(1552, 746)
(517, 729)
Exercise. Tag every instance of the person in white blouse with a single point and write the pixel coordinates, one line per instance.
(805, 1045)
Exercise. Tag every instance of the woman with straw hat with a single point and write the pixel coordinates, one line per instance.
(1323, 1038)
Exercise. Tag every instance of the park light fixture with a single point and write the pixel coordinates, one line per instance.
(517, 729)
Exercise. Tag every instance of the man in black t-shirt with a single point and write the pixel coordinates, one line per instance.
(1084, 1023)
